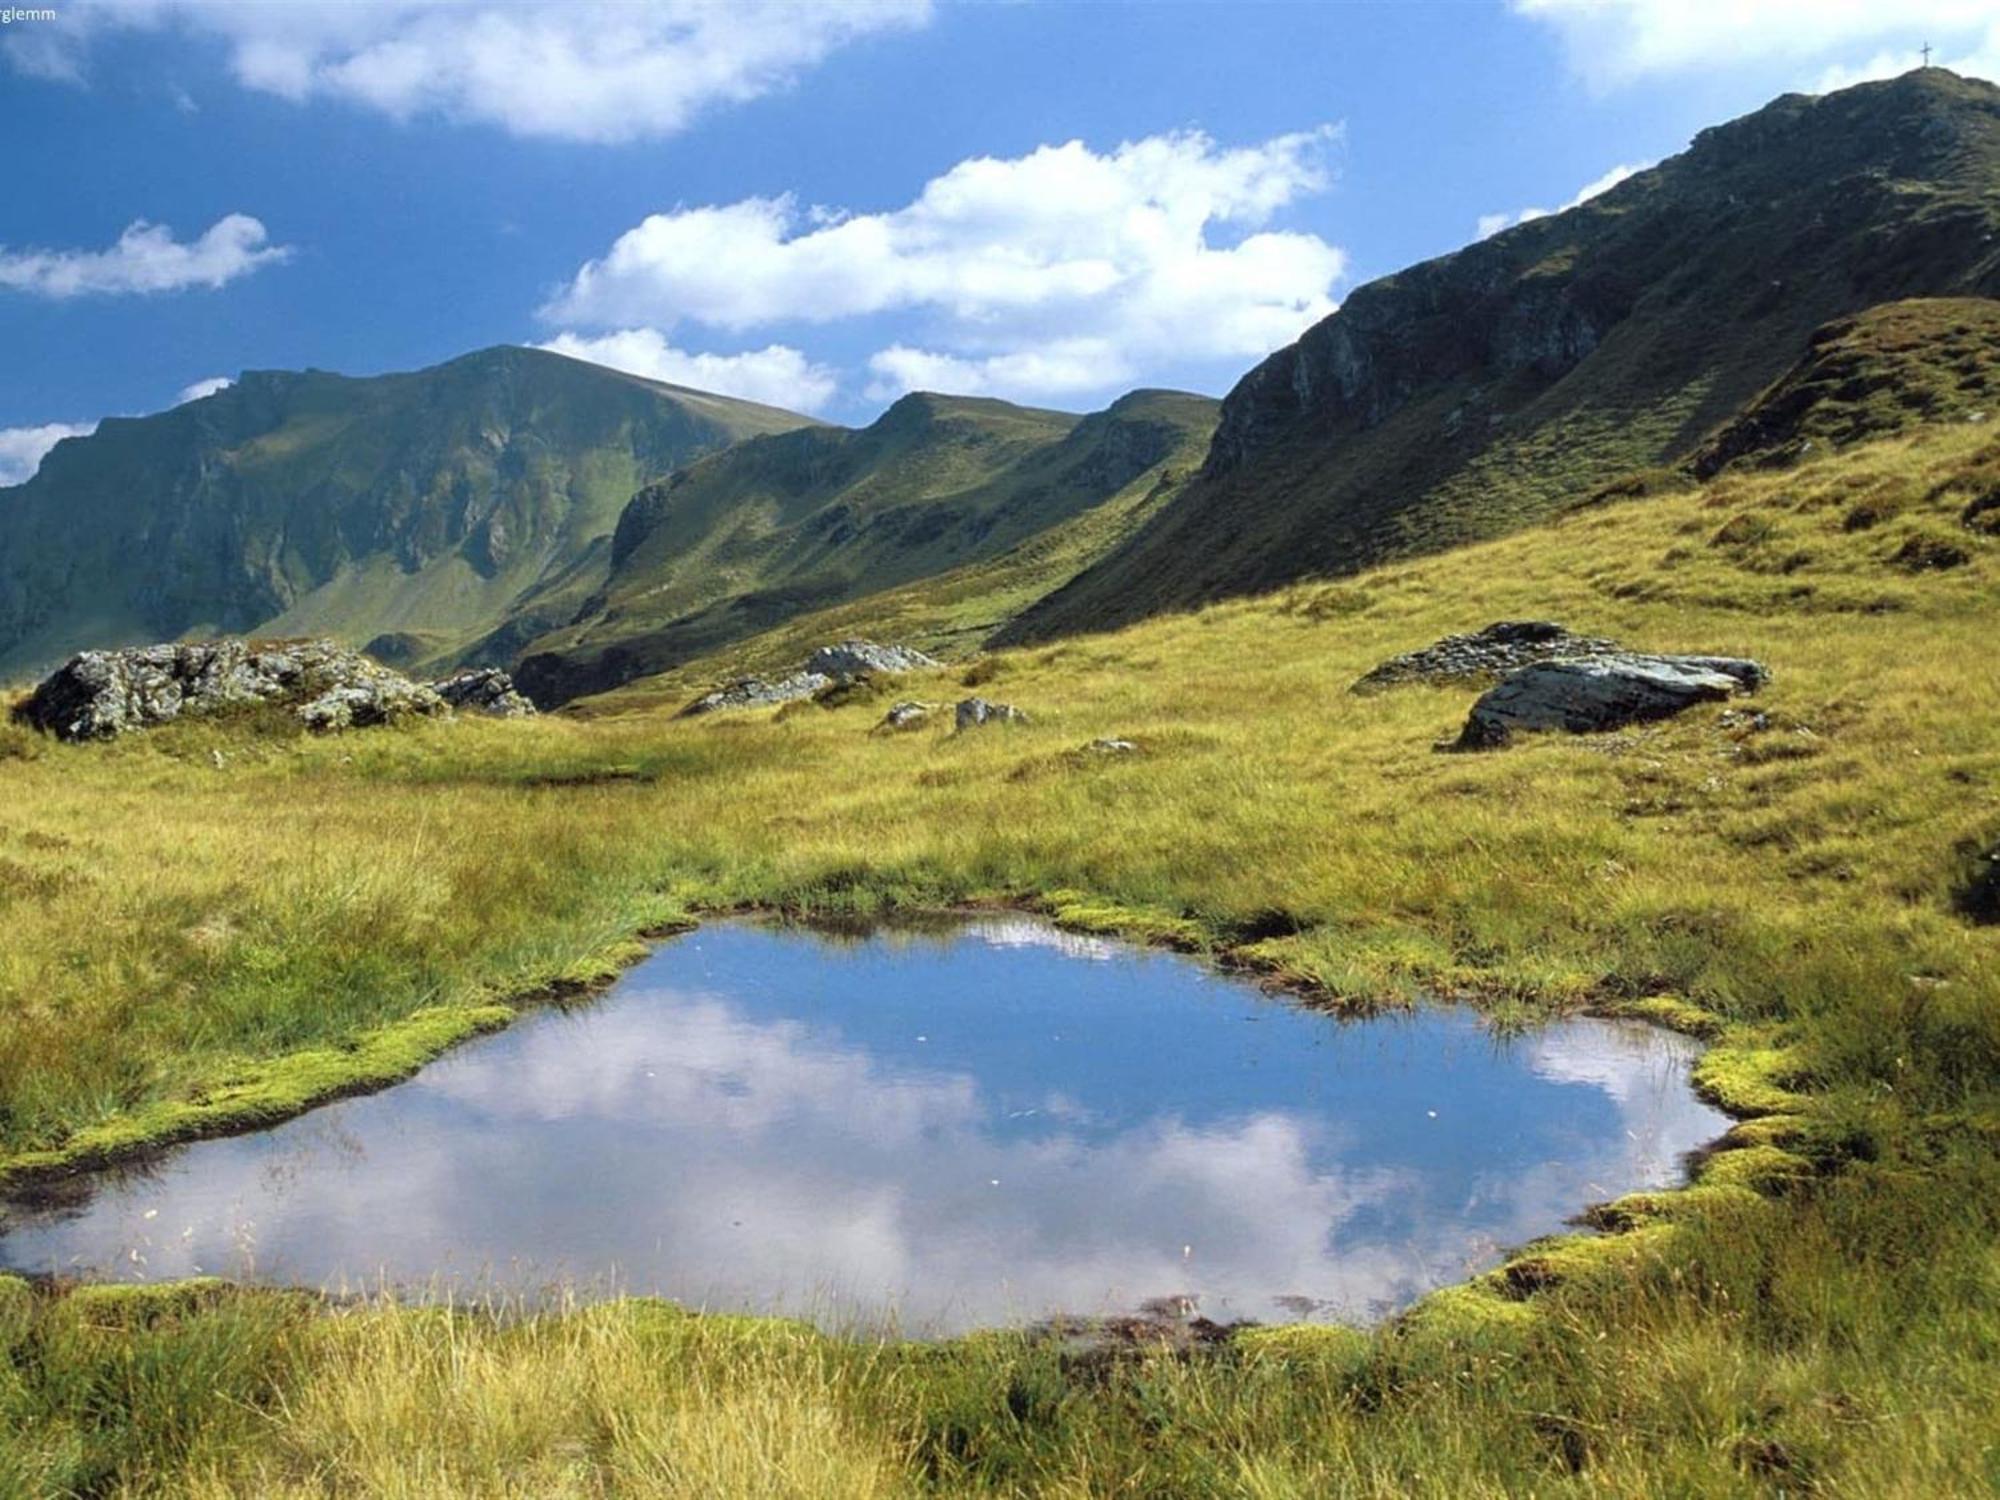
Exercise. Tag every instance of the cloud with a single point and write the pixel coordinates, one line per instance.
(1492, 224)
(1613, 42)
(203, 388)
(147, 258)
(22, 448)
(606, 70)
(776, 375)
(1059, 271)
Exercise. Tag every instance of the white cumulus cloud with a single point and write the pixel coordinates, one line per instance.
(1491, 224)
(776, 375)
(146, 258)
(588, 70)
(1063, 270)
(22, 448)
(1612, 42)
(203, 388)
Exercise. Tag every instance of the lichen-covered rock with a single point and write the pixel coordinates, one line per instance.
(1499, 648)
(1110, 747)
(757, 692)
(852, 658)
(1606, 690)
(364, 703)
(486, 690)
(828, 666)
(103, 694)
(974, 712)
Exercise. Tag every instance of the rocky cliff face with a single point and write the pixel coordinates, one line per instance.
(1484, 389)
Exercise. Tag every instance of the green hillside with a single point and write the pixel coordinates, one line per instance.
(794, 525)
(413, 511)
(1817, 1313)
(1476, 393)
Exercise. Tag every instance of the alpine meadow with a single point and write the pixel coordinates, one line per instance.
(1575, 646)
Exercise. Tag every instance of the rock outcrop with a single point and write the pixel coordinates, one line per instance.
(1605, 690)
(486, 690)
(853, 658)
(974, 712)
(758, 692)
(102, 694)
(827, 666)
(1500, 648)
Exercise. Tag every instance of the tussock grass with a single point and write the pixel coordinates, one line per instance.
(1820, 1313)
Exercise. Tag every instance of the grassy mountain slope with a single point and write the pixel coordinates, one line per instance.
(1820, 1313)
(796, 524)
(1474, 393)
(422, 508)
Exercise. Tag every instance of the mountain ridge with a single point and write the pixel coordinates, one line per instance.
(422, 503)
(1480, 390)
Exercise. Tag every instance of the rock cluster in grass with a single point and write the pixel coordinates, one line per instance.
(1602, 690)
(100, 695)
(486, 690)
(857, 658)
(827, 666)
(1498, 649)
(973, 712)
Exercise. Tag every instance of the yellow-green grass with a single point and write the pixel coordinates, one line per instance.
(1819, 1313)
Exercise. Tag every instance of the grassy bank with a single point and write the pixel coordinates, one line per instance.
(225, 914)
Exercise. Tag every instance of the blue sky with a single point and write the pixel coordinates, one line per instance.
(816, 204)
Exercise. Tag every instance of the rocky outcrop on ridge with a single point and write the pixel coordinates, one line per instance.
(827, 666)
(99, 695)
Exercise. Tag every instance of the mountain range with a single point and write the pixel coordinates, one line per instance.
(588, 528)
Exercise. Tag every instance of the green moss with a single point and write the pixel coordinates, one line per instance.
(1762, 1169)
(265, 1093)
(1080, 912)
(1749, 1080)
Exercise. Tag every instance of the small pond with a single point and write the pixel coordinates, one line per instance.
(941, 1129)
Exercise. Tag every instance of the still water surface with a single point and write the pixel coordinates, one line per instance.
(981, 1125)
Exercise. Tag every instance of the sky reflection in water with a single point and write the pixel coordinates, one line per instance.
(970, 1127)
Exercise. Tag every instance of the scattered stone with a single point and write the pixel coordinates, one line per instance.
(853, 658)
(1111, 747)
(828, 666)
(486, 690)
(1492, 652)
(756, 692)
(974, 712)
(906, 715)
(1606, 690)
(102, 694)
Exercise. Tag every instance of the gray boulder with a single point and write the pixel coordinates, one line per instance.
(756, 692)
(1498, 649)
(853, 658)
(906, 715)
(103, 694)
(974, 712)
(1606, 690)
(486, 690)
